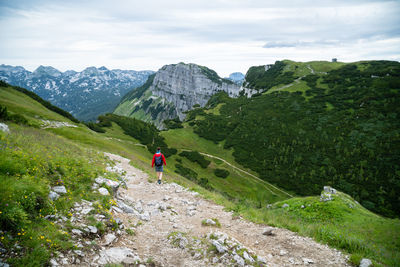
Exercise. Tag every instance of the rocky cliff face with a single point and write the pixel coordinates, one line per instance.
(173, 90)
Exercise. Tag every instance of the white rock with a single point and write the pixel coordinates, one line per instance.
(166, 198)
(283, 252)
(116, 254)
(162, 207)
(79, 253)
(246, 256)
(307, 261)
(197, 256)
(60, 189)
(103, 191)
(145, 216)
(108, 239)
(92, 229)
(261, 259)
(77, 232)
(53, 263)
(53, 195)
(117, 209)
(268, 231)
(330, 190)
(113, 184)
(139, 207)
(100, 180)
(365, 263)
(4, 127)
(190, 213)
(220, 248)
(285, 205)
(210, 222)
(86, 211)
(239, 260)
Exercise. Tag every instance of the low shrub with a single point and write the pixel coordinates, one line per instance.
(222, 173)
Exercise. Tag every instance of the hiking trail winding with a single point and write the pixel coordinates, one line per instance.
(167, 221)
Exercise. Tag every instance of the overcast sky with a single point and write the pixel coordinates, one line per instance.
(224, 35)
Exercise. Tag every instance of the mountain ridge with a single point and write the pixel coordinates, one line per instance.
(175, 89)
(85, 94)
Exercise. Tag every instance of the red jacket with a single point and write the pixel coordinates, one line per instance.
(154, 159)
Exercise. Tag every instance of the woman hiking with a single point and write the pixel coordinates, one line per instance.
(159, 161)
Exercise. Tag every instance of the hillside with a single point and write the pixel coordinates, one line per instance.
(173, 90)
(50, 150)
(85, 94)
(322, 124)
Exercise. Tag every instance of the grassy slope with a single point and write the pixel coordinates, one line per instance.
(370, 230)
(238, 185)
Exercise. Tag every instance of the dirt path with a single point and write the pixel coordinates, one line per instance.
(169, 208)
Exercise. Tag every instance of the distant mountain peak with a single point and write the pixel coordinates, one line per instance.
(236, 77)
(84, 94)
(47, 70)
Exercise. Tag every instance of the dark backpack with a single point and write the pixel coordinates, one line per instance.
(158, 161)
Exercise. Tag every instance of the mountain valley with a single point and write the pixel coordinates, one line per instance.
(262, 150)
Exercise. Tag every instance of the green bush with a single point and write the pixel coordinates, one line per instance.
(18, 118)
(195, 156)
(95, 127)
(222, 173)
(203, 182)
(173, 123)
(3, 113)
(186, 172)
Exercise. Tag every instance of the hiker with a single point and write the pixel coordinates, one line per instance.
(159, 161)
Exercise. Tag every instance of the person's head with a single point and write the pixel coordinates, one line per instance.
(158, 149)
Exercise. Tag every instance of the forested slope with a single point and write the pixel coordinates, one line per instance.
(341, 128)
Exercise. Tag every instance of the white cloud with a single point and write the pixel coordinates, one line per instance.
(227, 36)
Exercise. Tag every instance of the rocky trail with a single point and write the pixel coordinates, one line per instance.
(168, 225)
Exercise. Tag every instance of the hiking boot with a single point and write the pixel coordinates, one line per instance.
(159, 181)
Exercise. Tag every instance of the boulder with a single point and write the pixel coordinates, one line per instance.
(330, 190)
(365, 263)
